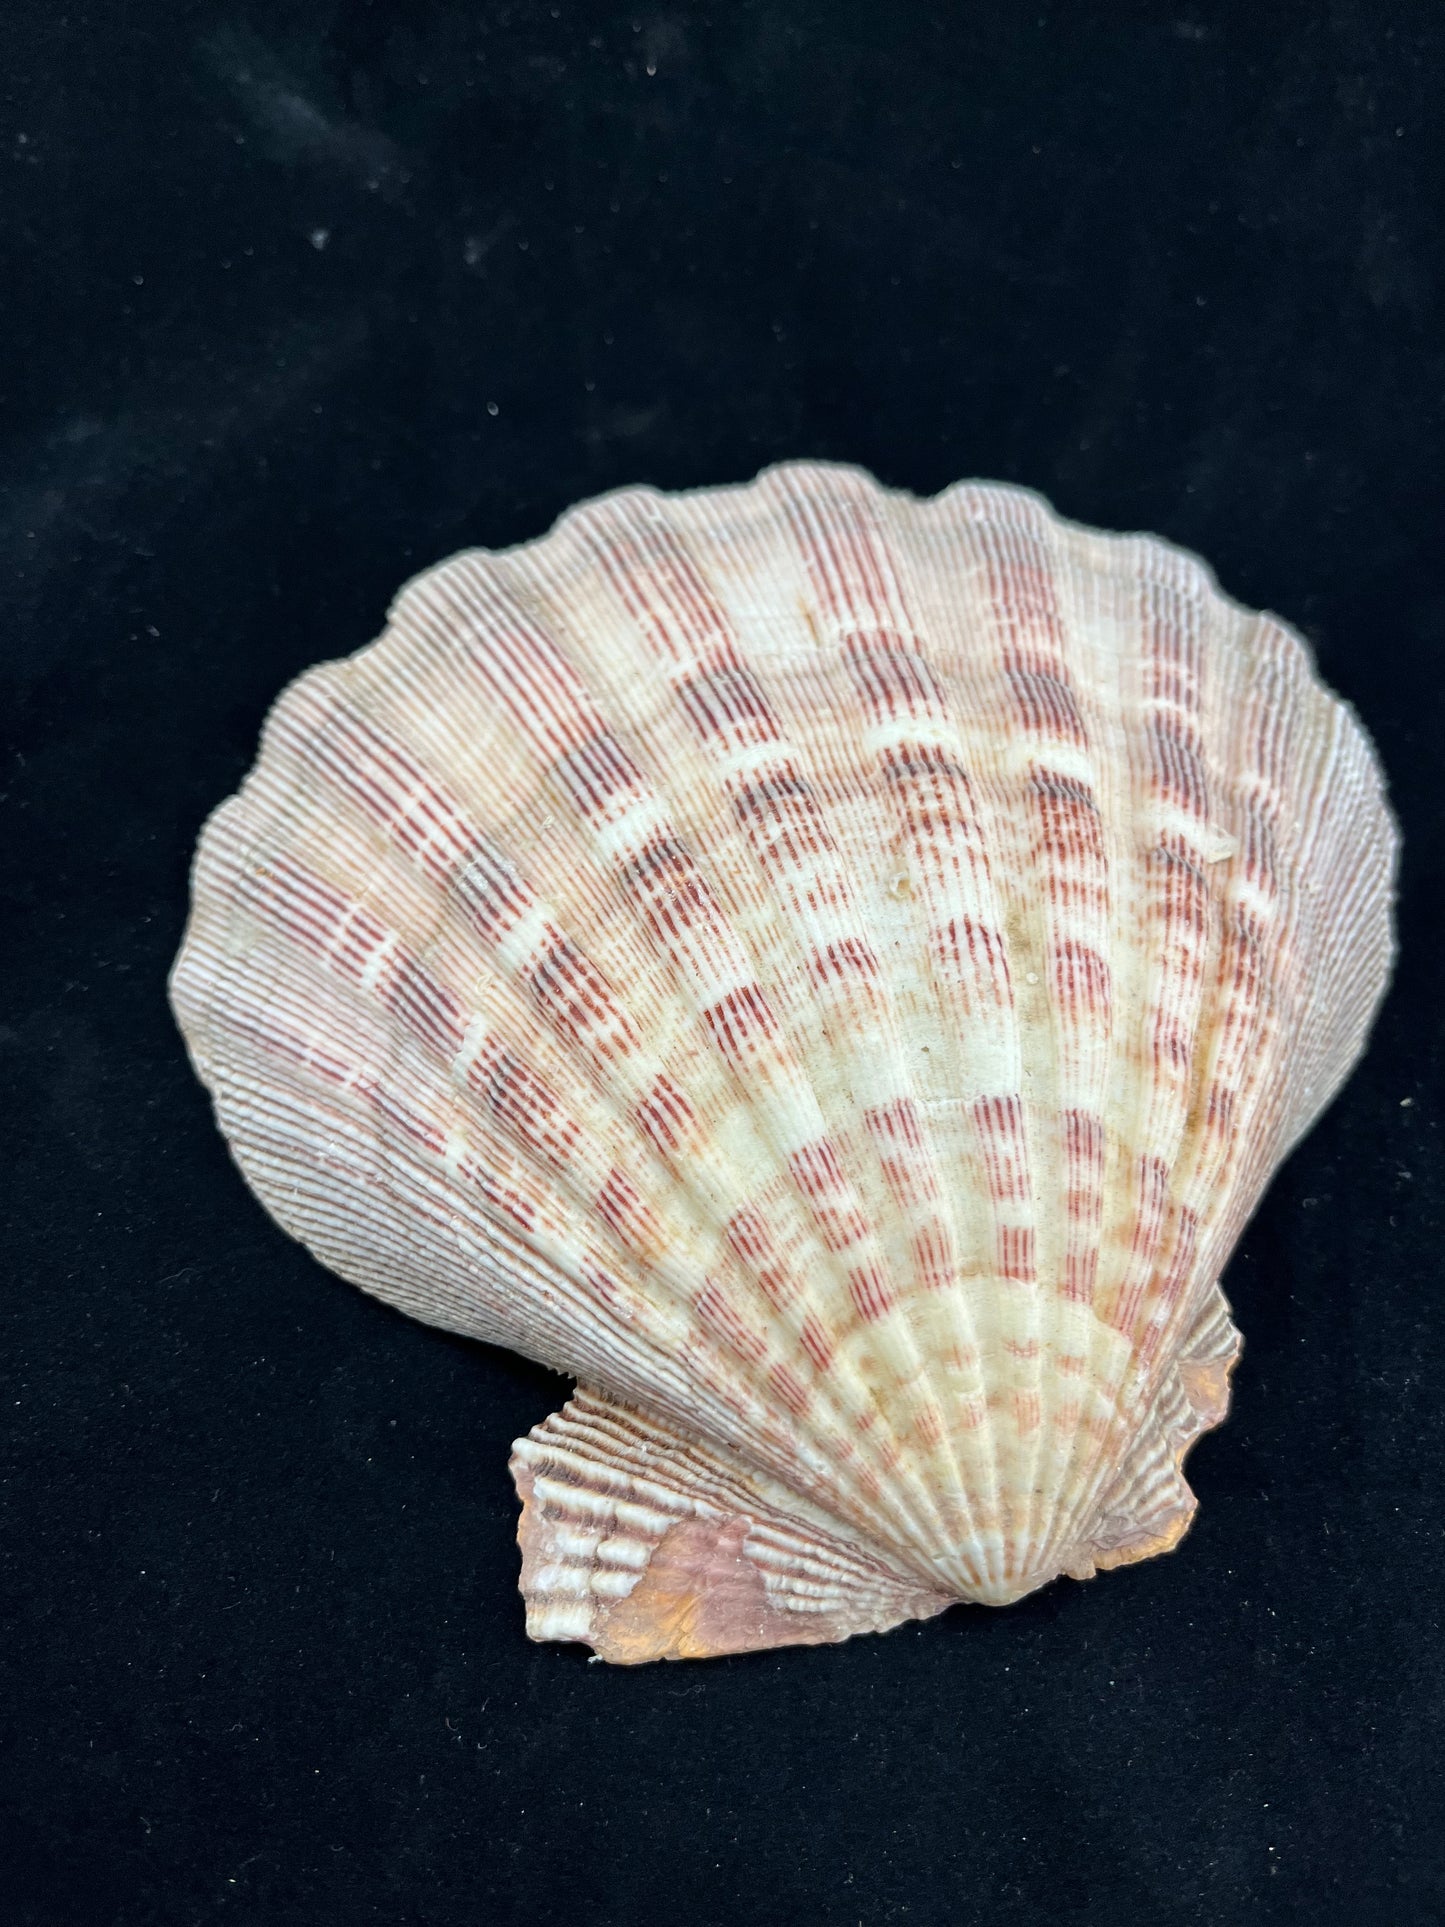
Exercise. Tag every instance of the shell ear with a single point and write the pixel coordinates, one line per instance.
(1150, 1506)
(644, 1545)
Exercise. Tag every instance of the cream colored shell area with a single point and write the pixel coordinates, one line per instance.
(1063, 888)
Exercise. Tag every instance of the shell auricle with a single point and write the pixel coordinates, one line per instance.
(831, 972)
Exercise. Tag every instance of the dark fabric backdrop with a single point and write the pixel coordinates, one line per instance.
(298, 298)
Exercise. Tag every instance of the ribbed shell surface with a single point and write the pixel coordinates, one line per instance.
(833, 973)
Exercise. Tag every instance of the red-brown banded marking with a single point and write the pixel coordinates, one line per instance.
(1180, 909)
(1173, 794)
(924, 784)
(1239, 1118)
(415, 813)
(1153, 1174)
(816, 1342)
(783, 822)
(265, 1029)
(908, 1170)
(795, 1395)
(1176, 758)
(1070, 868)
(843, 962)
(518, 665)
(406, 1121)
(676, 903)
(348, 939)
(576, 999)
(1079, 980)
(1084, 1202)
(426, 823)
(568, 990)
(894, 680)
(1020, 570)
(665, 1117)
(748, 1235)
(819, 1176)
(505, 1199)
(566, 987)
(608, 1291)
(751, 1243)
(743, 1027)
(1153, 1178)
(1259, 851)
(999, 1129)
(725, 704)
(1074, 866)
(787, 830)
(1069, 850)
(1028, 1412)
(1248, 1001)
(524, 672)
(929, 789)
(928, 1427)
(911, 1175)
(523, 1101)
(972, 961)
(263, 1026)
(659, 583)
(388, 784)
(935, 1262)
(859, 592)
(868, 1288)
(1184, 913)
(625, 1212)
(1045, 702)
(663, 881)
(1081, 987)
(1017, 1255)
(601, 778)
(999, 1124)
(721, 1315)
(1177, 1277)
(1173, 680)
(1239, 988)
(919, 758)
(1070, 862)
(850, 567)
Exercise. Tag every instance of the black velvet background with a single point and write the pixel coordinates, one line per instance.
(297, 299)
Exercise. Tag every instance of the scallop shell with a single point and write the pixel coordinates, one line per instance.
(834, 974)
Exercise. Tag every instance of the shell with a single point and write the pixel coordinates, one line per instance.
(833, 973)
